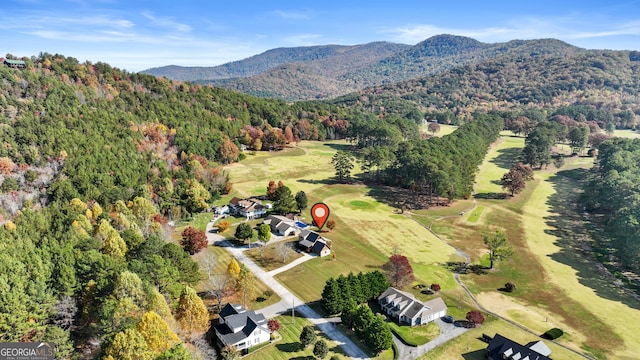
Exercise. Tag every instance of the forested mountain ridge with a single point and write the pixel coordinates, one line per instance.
(330, 57)
(324, 72)
(604, 85)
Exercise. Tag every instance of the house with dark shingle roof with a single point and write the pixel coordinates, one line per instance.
(406, 309)
(312, 242)
(241, 328)
(501, 348)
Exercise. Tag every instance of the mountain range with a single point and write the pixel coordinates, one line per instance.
(321, 72)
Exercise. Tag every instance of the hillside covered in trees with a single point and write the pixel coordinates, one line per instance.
(94, 162)
(320, 72)
(603, 85)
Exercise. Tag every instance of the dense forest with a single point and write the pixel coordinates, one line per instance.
(603, 85)
(94, 162)
(612, 190)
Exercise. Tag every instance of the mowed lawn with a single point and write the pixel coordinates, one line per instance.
(444, 129)
(304, 168)
(630, 134)
(469, 346)
(549, 292)
(366, 234)
(502, 154)
(288, 347)
(263, 296)
(570, 274)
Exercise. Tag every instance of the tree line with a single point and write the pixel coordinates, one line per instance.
(612, 190)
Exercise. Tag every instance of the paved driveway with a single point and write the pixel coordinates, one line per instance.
(289, 300)
(447, 332)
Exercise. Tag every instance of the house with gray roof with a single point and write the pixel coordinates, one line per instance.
(282, 225)
(406, 309)
(241, 328)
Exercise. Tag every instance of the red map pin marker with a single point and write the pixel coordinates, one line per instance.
(320, 214)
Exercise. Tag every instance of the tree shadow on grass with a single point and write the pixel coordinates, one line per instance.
(475, 355)
(289, 347)
(460, 267)
(329, 181)
(400, 198)
(491, 196)
(341, 147)
(507, 157)
(575, 237)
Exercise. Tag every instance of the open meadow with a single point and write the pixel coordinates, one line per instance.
(558, 275)
(558, 283)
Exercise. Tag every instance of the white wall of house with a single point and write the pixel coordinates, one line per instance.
(258, 336)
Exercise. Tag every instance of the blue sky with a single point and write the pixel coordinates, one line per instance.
(136, 35)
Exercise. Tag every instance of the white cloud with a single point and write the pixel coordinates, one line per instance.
(302, 40)
(292, 15)
(167, 22)
(522, 28)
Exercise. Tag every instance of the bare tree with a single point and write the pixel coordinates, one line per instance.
(209, 263)
(219, 283)
(284, 250)
(65, 312)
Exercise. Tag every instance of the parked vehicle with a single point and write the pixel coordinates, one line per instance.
(448, 319)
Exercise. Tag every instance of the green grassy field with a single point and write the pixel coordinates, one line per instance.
(288, 346)
(469, 346)
(579, 279)
(475, 214)
(555, 288)
(418, 335)
(444, 129)
(366, 234)
(304, 168)
(498, 161)
(631, 134)
(559, 281)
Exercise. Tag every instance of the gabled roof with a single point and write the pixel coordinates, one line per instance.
(238, 323)
(539, 347)
(231, 309)
(414, 309)
(318, 246)
(312, 236)
(306, 243)
(275, 220)
(284, 226)
(436, 305)
(501, 345)
(405, 304)
(395, 293)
